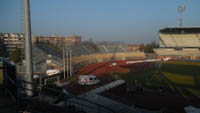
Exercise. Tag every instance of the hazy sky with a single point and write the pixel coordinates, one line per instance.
(132, 21)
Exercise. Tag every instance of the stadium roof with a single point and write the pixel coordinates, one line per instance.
(180, 30)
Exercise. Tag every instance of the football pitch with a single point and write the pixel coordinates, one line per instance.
(177, 77)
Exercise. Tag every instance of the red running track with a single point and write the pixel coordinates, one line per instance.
(104, 72)
(106, 68)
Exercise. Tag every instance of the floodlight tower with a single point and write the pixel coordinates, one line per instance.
(28, 48)
(64, 61)
(181, 9)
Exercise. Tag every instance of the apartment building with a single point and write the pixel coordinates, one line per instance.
(12, 40)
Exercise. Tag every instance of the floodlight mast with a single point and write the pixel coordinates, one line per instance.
(28, 48)
(181, 9)
(64, 61)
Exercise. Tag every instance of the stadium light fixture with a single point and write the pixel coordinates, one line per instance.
(181, 9)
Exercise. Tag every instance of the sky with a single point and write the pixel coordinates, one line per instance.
(132, 21)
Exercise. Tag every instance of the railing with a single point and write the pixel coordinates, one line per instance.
(9, 80)
(45, 96)
(69, 101)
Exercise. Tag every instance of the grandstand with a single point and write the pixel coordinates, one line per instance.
(47, 56)
(78, 50)
(113, 48)
(88, 48)
(39, 61)
(179, 43)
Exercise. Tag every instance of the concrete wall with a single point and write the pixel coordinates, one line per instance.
(107, 57)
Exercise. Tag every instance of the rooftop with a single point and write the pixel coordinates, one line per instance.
(180, 30)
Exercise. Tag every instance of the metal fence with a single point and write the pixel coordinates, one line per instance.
(9, 80)
(37, 68)
(71, 103)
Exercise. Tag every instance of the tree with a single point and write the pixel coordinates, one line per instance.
(3, 49)
(16, 55)
(37, 40)
(148, 48)
(141, 47)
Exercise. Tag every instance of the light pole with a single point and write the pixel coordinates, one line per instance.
(181, 9)
(67, 62)
(64, 61)
(28, 48)
(70, 53)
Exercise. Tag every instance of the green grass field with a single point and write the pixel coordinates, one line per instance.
(173, 76)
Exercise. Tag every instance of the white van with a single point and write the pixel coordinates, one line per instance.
(166, 59)
(51, 72)
(87, 80)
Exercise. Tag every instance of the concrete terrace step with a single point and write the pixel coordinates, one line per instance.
(109, 105)
(106, 87)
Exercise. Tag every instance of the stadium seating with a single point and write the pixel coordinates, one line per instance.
(38, 56)
(180, 40)
(173, 52)
(113, 48)
(124, 48)
(103, 49)
(198, 36)
(186, 40)
(78, 50)
(168, 40)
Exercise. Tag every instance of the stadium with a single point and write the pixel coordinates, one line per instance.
(179, 43)
(122, 70)
(65, 74)
(163, 81)
(168, 86)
